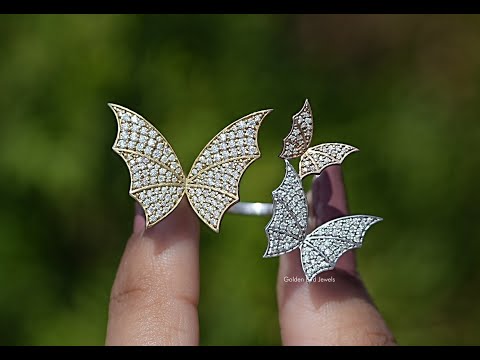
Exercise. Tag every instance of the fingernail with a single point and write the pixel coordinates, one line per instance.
(329, 199)
(139, 219)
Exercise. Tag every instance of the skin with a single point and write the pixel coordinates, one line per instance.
(155, 293)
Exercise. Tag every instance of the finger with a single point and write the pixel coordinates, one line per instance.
(336, 309)
(327, 201)
(155, 293)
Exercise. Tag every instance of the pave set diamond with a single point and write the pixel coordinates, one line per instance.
(320, 156)
(300, 136)
(327, 243)
(158, 181)
(215, 175)
(287, 229)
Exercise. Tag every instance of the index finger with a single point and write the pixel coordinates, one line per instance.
(155, 294)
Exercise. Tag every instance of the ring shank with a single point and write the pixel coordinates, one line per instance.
(251, 208)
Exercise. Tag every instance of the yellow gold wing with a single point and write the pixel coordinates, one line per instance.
(213, 181)
(157, 180)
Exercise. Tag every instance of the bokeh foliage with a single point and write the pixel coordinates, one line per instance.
(403, 88)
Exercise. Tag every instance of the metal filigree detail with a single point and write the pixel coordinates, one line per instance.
(157, 179)
(288, 225)
(323, 246)
(318, 157)
(300, 136)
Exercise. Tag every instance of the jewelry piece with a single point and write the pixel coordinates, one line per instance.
(249, 208)
(298, 139)
(287, 229)
(158, 182)
(319, 157)
(312, 161)
(315, 159)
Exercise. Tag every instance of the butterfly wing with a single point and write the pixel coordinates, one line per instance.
(318, 157)
(287, 228)
(324, 245)
(157, 181)
(300, 135)
(213, 181)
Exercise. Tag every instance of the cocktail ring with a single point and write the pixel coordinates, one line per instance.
(158, 182)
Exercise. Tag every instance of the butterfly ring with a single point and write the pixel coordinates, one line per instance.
(313, 160)
(287, 229)
(158, 182)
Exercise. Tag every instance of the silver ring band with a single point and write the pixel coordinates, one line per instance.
(249, 208)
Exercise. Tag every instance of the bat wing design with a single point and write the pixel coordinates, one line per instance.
(318, 157)
(300, 136)
(213, 181)
(157, 181)
(324, 245)
(287, 228)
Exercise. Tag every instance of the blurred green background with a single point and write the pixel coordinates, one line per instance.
(405, 89)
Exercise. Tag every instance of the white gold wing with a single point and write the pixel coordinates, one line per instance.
(318, 157)
(324, 245)
(287, 228)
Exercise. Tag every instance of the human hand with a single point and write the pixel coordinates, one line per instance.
(155, 293)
